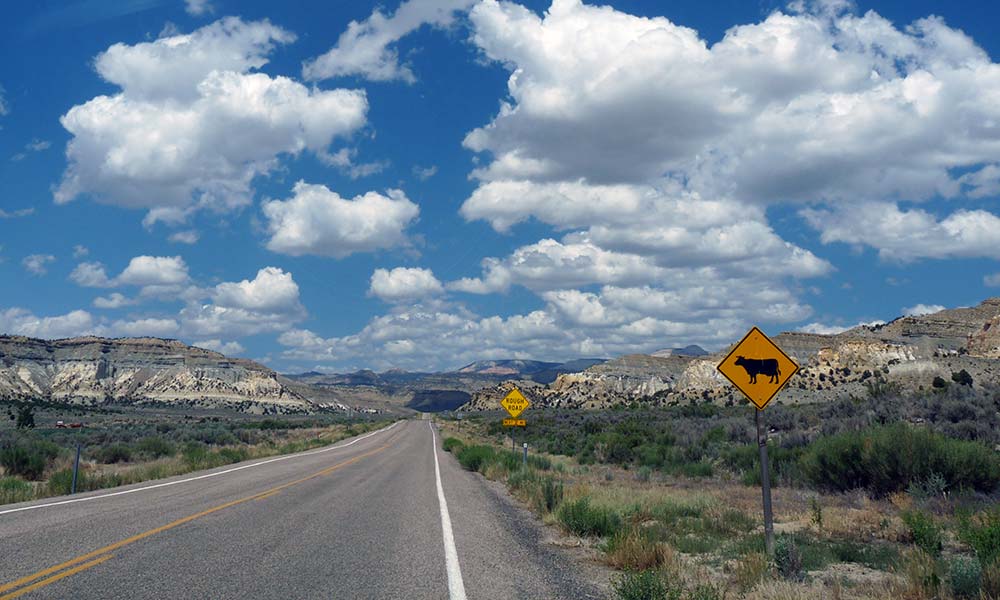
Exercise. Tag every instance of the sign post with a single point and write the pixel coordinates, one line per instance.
(760, 369)
(515, 403)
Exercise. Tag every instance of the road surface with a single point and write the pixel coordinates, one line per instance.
(382, 516)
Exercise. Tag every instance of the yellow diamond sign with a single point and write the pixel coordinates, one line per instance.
(514, 402)
(758, 368)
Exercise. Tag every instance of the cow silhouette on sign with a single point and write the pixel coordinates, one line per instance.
(760, 366)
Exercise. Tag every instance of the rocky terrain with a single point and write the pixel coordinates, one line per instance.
(141, 371)
(907, 354)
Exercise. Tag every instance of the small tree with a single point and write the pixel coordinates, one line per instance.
(26, 417)
(962, 378)
(939, 383)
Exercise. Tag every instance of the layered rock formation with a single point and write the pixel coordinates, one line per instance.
(93, 370)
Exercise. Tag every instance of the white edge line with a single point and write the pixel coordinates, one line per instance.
(205, 476)
(456, 587)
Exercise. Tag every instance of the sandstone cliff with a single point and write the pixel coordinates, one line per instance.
(92, 370)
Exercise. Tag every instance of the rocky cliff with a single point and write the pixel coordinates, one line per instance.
(92, 370)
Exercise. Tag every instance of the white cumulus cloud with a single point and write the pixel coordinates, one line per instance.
(921, 309)
(316, 220)
(193, 123)
(37, 264)
(404, 284)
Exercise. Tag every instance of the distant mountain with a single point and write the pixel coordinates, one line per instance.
(506, 367)
(692, 350)
(93, 370)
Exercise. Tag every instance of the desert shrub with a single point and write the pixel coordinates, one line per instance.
(750, 570)
(888, 459)
(115, 453)
(13, 489)
(964, 575)
(643, 474)
(643, 585)
(634, 549)
(451, 444)
(552, 494)
(195, 454)
(475, 458)
(982, 532)
(232, 455)
(962, 378)
(60, 483)
(155, 447)
(924, 531)
(582, 518)
(28, 460)
(787, 557)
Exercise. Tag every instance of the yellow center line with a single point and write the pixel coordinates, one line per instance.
(56, 578)
(135, 538)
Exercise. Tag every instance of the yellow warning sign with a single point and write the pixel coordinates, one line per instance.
(514, 402)
(515, 423)
(758, 368)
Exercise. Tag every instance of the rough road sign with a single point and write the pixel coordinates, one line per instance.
(514, 402)
(758, 368)
(515, 423)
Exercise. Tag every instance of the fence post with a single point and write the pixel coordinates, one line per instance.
(765, 484)
(76, 469)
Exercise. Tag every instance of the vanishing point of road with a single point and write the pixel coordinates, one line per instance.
(382, 516)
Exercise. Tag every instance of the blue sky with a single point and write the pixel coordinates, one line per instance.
(423, 184)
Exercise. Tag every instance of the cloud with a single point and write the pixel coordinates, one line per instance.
(80, 251)
(34, 145)
(227, 348)
(992, 280)
(921, 309)
(909, 235)
(4, 107)
(404, 284)
(193, 125)
(365, 48)
(36, 263)
(20, 321)
(16, 214)
(150, 327)
(268, 303)
(825, 329)
(156, 275)
(112, 301)
(91, 274)
(343, 160)
(197, 8)
(154, 270)
(189, 236)
(424, 173)
(316, 220)
(272, 290)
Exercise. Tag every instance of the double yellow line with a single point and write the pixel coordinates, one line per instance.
(96, 557)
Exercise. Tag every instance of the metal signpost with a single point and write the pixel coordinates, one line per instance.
(515, 403)
(760, 369)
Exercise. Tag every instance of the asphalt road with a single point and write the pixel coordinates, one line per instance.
(361, 519)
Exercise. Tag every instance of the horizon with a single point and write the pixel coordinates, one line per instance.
(421, 184)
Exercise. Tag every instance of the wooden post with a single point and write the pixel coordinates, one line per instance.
(76, 469)
(765, 483)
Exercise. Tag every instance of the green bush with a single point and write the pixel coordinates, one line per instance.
(643, 585)
(964, 576)
(475, 458)
(924, 531)
(233, 455)
(787, 557)
(451, 444)
(888, 459)
(552, 493)
(195, 454)
(13, 489)
(583, 519)
(60, 483)
(115, 453)
(983, 534)
(155, 447)
(28, 460)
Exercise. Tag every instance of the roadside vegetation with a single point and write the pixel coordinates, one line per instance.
(877, 497)
(37, 462)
